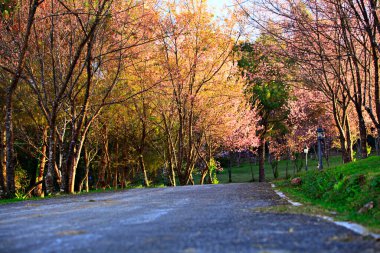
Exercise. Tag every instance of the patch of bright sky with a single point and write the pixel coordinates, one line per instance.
(219, 7)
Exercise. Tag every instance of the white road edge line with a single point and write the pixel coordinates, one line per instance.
(349, 225)
(283, 196)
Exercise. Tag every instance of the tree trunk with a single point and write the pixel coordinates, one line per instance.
(116, 162)
(10, 162)
(358, 149)
(170, 152)
(191, 179)
(141, 149)
(3, 163)
(169, 171)
(10, 157)
(58, 174)
(230, 168)
(49, 178)
(173, 179)
(349, 151)
(84, 181)
(41, 168)
(170, 164)
(181, 176)
(344, 150)
(102, 172)
(71, 171)
(261, 156)
(203, 176)
(104, 162)
(75, 161)
(122, 179)
(363, 138)
(115, 177)
(143, 169)
(86, 184)
(180, 144)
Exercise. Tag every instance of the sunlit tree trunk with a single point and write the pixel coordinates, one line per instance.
(170, 147)
(116, 167)
(141, 147)
(203, 176)
(143, 169)
(104, 162)
(141, 155)
(49, 178)
(41, 168)
(86, 159)
(343, 126)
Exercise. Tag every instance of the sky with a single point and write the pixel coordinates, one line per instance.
(217, 6)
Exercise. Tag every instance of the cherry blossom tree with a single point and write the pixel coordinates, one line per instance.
(331, 42)
(194, 52)
(16, 29)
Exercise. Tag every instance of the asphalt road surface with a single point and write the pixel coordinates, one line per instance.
(211, 218)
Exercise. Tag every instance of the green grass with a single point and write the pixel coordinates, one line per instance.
(15, 200)
(20, 199)
(344, 189)
(242, 173)
(108, 189)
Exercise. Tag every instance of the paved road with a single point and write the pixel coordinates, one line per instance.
(217, 218)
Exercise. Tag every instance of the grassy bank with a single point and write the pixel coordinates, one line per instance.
(344, 189)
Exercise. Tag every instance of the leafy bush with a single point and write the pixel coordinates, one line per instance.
(214, 168)
(21, 180)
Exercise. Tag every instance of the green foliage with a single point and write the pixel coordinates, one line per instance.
(20, 196)
(213, 169)
(270, 95)
(369, 149)
(346, 189)
(22, 179)
(267, 87)
(7, 7)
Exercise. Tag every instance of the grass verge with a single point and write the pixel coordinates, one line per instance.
(247, 171)
(343, 190)
(128, 187)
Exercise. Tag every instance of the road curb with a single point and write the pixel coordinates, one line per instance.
(283, 196)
